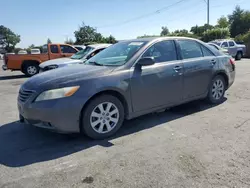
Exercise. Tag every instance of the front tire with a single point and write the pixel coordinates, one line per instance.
(102, 117)
(217, 90)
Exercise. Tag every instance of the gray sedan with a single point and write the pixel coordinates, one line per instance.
(124, 81)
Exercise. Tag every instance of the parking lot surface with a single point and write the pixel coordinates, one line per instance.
(193, 145)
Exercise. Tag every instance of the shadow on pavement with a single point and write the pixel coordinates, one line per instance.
(12, 77)
(22, 145)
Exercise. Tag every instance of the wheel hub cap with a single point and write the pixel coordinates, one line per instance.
(104, 117)
(218, 89)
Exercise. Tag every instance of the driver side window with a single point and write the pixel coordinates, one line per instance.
(162, 51)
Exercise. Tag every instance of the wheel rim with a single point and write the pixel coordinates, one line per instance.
(104, 117)
(32, 70)
(218, 89)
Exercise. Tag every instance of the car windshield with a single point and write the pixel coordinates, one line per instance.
(117, 54)
(81, 54)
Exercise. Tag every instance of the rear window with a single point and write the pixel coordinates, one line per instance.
(67, 49)
(190, 49)
(54, 49)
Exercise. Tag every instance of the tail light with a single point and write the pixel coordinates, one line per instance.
(232, 62)
(5, 59)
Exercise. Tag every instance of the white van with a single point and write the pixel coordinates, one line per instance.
(35, 51)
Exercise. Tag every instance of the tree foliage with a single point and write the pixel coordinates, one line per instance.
(110, 39)
(165, 31)
(8, 39)
(199, 30)
(239, 21)
(147, 36)
(89, 35)
(217, 33)
(222, 22)
(69, 41)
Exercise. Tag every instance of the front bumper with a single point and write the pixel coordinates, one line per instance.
(60, 115)
(4, 67)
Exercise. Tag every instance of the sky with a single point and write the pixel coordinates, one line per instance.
(36, 21)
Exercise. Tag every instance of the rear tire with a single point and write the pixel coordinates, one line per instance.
(238, 56)
(30, 69)
(217, 90)
(102, 117)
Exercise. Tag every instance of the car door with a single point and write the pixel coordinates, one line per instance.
(199, 63)
(54, 52)
(67, 51)
(232, 49)
(159, 84)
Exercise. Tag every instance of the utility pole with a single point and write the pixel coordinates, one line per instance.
(208, 6)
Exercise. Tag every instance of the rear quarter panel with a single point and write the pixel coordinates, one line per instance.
(225, 66)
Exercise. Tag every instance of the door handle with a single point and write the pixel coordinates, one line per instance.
(177, 68)
(213, 61)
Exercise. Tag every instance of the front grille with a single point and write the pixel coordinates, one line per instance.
(24, 94)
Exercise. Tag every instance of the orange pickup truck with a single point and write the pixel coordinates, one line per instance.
(29, 63)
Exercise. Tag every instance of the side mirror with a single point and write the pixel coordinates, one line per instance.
(146, 61)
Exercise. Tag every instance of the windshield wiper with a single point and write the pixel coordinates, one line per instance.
(95, 63)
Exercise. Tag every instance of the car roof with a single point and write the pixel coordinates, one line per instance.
(149, 39)
(222, 40)
(99, 45)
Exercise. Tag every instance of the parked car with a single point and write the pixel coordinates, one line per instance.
(126, 80)
(225, 51)
(235, 50)
(79, 57)
(80, 47)
(22, 52)
(35, 51)
(29, 63)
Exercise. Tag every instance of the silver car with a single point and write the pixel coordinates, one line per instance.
(235, 50)
(79, 57)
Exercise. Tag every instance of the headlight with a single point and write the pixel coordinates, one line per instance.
(57, 93)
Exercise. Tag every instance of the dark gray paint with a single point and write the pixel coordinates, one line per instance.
(144, 89)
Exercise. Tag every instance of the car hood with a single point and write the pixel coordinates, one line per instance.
(60, 61)
(67, 75)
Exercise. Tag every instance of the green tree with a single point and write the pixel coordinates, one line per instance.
(147, 36)
(222, 22)
(111, 39)
(199, 30)
(217, 33)
(239, 21)
(86, 34)
(165, 31)
(8, 39)
(16, 50)
(49, 41)
(31, 46)
(69, 41)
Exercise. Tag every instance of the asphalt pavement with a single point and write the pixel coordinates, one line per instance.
(193, 145)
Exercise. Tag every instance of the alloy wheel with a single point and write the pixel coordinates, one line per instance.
(218, 89)
(104, 117)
